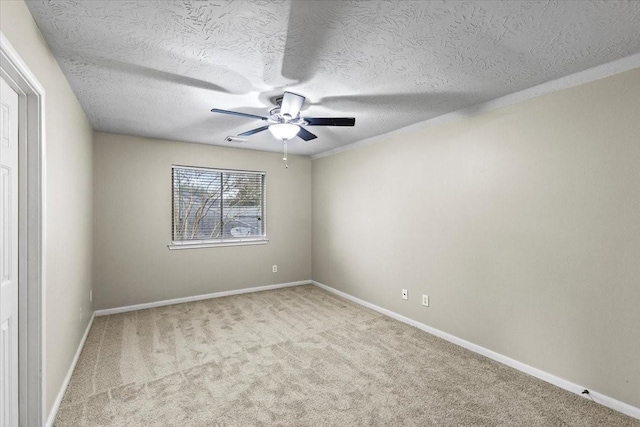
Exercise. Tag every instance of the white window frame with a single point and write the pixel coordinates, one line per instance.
(216, 243)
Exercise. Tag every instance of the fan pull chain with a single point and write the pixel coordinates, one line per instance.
(286, 163)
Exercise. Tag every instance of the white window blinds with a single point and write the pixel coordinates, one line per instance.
(217, 206)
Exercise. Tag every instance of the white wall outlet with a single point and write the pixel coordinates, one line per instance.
(405, 294)
(91, 295)
(274, 268)
(425, 300)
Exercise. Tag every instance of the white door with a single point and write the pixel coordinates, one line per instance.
(8, 256)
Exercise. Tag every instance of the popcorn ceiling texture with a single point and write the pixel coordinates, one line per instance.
(155, 69)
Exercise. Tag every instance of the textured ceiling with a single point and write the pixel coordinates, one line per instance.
(156, 68)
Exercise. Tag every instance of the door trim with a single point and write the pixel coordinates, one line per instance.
(31, 234)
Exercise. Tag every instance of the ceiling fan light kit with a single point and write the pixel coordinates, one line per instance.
(284, 131)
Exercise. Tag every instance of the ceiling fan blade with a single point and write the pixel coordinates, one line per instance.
(309, 30)
(330, 121)
(291, 104)
(235, 113)
(254, 131)
(305, 134)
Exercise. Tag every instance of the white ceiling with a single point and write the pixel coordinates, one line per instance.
(156, 68)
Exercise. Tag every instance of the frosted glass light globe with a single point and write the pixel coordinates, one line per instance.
(284, 130)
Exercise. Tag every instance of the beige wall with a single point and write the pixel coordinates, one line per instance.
(132, 222)
(522, 225)
(68, 205)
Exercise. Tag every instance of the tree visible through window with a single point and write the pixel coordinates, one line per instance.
(217, 206)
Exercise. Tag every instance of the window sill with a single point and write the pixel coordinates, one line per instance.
(178, 246)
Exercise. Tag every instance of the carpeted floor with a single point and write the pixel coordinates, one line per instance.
(299, 357)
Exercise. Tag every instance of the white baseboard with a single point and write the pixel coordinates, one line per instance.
(108, 311)
(65, 383)
(602, 399)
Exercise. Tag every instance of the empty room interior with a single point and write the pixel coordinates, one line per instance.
(320, 213)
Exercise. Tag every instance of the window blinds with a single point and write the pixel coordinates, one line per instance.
(216, 205)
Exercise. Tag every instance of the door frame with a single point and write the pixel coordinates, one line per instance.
(31, 234)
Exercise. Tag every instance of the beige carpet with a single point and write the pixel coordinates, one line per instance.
(298, 357)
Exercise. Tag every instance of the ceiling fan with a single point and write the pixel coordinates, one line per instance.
(285, 121)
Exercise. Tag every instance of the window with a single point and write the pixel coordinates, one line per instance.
(216, 207)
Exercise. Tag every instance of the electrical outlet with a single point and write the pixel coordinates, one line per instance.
(274, 268)
(425, 300)
(91, 295)
(405, 294)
